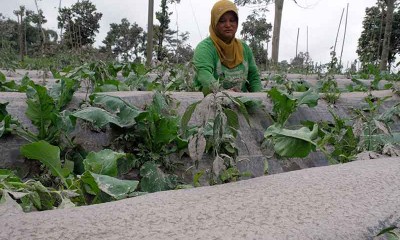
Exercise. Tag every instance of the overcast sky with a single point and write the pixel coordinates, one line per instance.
(321, 16)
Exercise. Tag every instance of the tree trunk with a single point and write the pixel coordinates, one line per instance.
(149, 47)
(387, 35)
(21, 37)
(277, 30)
(40, 20)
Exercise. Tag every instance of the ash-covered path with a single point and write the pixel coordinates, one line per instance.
(349, 201)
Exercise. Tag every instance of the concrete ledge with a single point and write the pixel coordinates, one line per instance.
(350, 201)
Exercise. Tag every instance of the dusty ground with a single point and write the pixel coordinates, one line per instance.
(349, 201)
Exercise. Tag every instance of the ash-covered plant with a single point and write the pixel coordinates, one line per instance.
(150, 135)
(217, 134)
(373, 124)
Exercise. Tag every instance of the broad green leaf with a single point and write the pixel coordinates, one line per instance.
(310, 98)
(159, 102)
(284, 105)
(230, 174)
(9, 177)
(5, 118)
(166, 130)
(103, 162)
(240, 105)
(188, 115)
(63, 91)
(5, 173)
(292, 143)
(5, 125)
(2, 77)
(153, 179)
(196, 178)
(47, 154)
(41, 109)
(251, 104)
(116, 188)
(3, 110)
(232, 118)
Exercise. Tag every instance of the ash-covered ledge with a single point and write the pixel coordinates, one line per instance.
(249, 145)
(349, 201)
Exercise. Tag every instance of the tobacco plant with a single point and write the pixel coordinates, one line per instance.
(374, 126)
(290, 142)
(151, 135)
(217, 134)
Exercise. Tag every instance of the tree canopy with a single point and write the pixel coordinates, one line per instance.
(256, 30)
(370, 43)
(125, 39)
(81, 23)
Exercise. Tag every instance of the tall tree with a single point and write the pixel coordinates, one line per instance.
(388, 33)
(277, 30)
(8, 34)
(163, 31)
(20, 16)
(277, 22)
(40, 35)
(256, 30)
(125, 39)
(370, 43)
(39, 23)
(81, 23)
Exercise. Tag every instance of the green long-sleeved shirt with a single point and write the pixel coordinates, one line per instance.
(208, 67)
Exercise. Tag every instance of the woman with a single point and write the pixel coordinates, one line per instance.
(221, 57)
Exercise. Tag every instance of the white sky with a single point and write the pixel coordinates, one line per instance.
(321, 16)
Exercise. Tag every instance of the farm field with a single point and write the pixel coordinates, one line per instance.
(110, 161)
(185, 128)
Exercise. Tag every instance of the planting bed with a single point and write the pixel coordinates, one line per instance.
(347, 201)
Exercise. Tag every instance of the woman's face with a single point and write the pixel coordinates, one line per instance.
(227, 26)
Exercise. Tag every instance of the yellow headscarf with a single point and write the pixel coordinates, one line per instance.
(230, 54)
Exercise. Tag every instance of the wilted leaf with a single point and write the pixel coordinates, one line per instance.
(97, 116)
(367, 155)
(197, 146)
(117, 106)
(66, 203)
(381, 126)
(188, 115)
(391, 150)
(218, 165)
(8, 206)
(358, 127)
